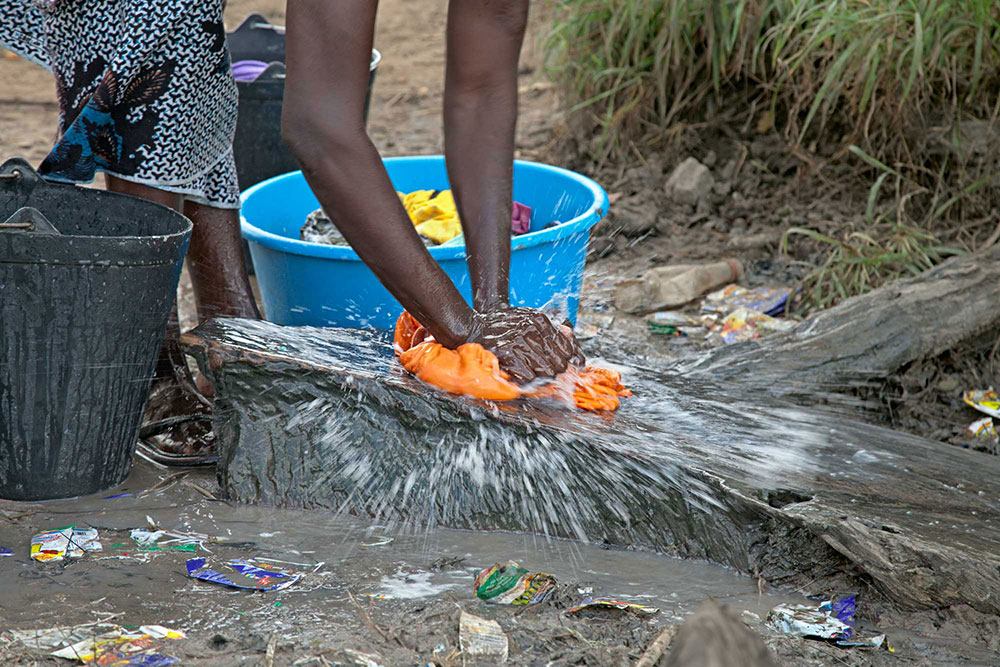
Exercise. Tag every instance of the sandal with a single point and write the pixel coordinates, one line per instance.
(156, 444)
(177, 429)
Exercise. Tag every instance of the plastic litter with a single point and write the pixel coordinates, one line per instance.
(768, 300)
(672, 286)
(979, 429)
(146, 660)
(832, 620)
(49, 638)
(744, 324)
(512, 584)
(248, 574)
(121, 647)
(985, 400)
(68, 542)
(479, 636)
(610, 603)
(164, 540)
(675, 323)
(4, 551)
(673, 318)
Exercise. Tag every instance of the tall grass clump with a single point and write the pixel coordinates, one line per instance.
(875, 70)
(906, 91)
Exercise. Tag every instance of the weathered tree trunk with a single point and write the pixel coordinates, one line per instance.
(325, 418)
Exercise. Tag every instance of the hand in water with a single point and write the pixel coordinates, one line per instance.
(527, 344)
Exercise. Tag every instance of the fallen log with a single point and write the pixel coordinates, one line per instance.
(324, 418)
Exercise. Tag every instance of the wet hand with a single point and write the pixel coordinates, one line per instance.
(527, 344)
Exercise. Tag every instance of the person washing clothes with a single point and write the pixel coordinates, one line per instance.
(328, 47)
(147, 96)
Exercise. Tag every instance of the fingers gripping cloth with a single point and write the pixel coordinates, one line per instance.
(472, 370)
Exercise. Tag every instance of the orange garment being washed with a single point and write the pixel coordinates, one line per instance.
(472, 370)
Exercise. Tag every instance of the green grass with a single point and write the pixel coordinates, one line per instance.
(635, 68)
(866, 82)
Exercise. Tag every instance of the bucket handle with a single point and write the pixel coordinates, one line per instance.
(18, 169)
(28, 219)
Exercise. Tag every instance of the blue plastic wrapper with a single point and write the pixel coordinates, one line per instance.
(843, 609)
(247, 575)
(145, 660)
(4, 551)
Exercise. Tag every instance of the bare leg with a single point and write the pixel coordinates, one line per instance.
(171, 358)
(172, 392)
(215, 258)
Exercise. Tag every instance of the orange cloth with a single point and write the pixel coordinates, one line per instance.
(471, 370)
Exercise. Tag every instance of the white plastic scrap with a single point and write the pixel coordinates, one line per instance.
(478, 636)
(805, 621)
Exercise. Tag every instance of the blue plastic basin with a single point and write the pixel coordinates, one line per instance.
(308, 284)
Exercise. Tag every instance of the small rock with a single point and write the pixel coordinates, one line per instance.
(722, 188)
(634, 216)
(947, 384)
(709, 159)
(728, 170)
(713, 637)
(690, 182)
(754, 241)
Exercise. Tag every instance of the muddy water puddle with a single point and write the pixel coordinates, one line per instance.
(392, 572)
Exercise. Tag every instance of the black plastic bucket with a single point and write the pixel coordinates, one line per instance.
(87, 281)
(258, 148)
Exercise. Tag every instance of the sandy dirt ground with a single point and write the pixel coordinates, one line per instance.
(398, 603)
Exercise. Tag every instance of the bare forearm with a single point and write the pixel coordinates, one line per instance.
(327, 52)
(352, 185)
(484, 42)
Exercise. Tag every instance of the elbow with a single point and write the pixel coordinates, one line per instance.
(312, 138)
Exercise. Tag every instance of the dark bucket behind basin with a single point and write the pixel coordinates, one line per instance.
(259, 150)
(87, 280)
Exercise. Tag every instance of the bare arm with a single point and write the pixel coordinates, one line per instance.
(480, 114)
(327, 54)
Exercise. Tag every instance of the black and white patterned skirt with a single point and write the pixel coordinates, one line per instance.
(146, 91)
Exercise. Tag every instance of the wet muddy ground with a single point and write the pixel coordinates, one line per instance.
(409, 583)
(391, 592)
